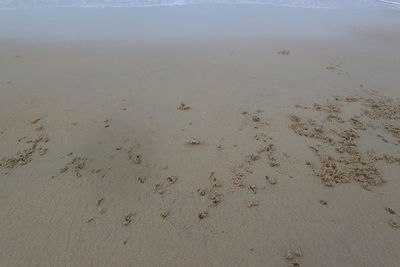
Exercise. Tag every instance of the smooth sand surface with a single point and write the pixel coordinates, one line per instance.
(299, 152)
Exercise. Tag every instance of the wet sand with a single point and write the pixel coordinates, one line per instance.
(219, 152)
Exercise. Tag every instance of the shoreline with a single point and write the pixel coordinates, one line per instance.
(187, 22)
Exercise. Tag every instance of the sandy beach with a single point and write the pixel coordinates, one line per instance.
(220, 151)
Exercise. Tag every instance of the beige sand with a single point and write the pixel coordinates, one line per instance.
(274, 159)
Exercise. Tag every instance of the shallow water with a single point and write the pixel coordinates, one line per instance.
(135, 3)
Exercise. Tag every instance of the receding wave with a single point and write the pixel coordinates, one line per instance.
(390, 2)
(149, 3)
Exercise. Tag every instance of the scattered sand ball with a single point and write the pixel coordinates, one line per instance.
(164, 214)
(323, 202)
(329, 108)
(194, 141)
(128, 218)
(309, 129)
(101, 210)
(252, 158)
(215, 198)
(90, 219)
(253, 189)
(391, 211)
(252, 204)
(382, 108)
(107, 123)
(393, 130)
(284, 52)
(348, 135)
(298, 252)
(25, 156)
(159, 188)
(211, 192)
(183, 106)
(394, 224)
(256, 118)
(383, 138)
(35, 121)
(136, 158)
(333, 111)
(289, 255)
(202, 215)
(100, 201)
(391, 159)
(351, 99)
(172, 179)
(42, 151)
(357, 124)
(271, 179)
(141, 179)
(77, 164)
(348, 162)
(295, 263)
(353, 168)
(63, 169)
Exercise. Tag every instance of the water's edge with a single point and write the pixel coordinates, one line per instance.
(29, 4)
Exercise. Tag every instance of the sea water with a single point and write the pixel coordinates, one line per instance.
(385, 4)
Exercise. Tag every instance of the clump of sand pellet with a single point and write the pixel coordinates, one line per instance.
(212, 191)
(183, 106)
(284, 52)
(25, 156)
(382, 108)
(395, 131)
(76, 165)
(341, 158)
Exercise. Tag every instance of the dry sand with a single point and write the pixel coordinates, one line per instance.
(284, 152)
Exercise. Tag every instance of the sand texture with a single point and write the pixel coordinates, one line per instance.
(244, 152)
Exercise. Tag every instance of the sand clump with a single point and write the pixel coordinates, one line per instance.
(323, 202)
(266, 154)
(107, 123)
(135, 158)
(194, 141)
(161, 188)
(164, 214)
(284, 52)
(141, 179)
(294, 256)
(128, 219)
(394, 224)
(25, 156)
(253, 204)
(382, 108)
(183, 106)
(202, 215)
(212, 192)
(76, 165)
(395, 131)
(340, 155)
(390, 210)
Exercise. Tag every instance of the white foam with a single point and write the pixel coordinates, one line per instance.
(149, 3)
(389, 2)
